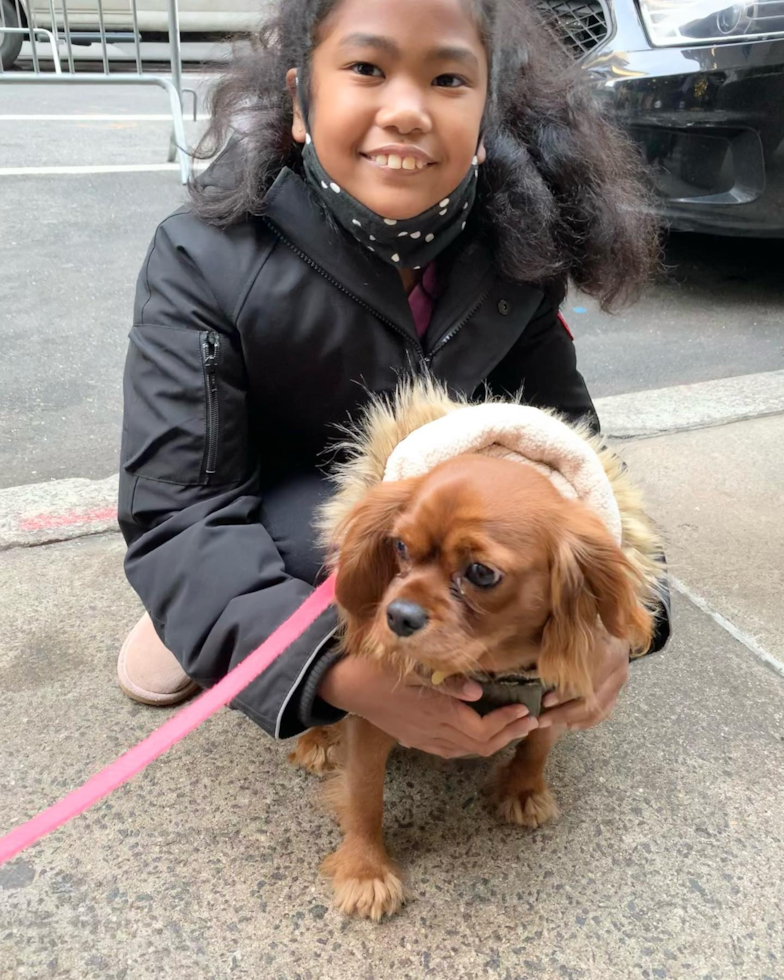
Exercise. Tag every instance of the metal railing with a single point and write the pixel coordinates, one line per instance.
(55, 28)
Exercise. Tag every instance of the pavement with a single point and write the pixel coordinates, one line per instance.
(667, 861)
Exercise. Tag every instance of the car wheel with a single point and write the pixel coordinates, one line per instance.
(10, 44)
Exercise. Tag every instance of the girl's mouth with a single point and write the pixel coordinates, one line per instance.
(399, 159)
(392, 161)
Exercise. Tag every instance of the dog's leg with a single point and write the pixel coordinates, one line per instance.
(521, 791)
(365, 879)
(317, 749)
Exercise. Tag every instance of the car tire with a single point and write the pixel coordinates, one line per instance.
(10, 44)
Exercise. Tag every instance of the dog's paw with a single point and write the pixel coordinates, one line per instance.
(365, 888)
(528, 808)
(317, 750)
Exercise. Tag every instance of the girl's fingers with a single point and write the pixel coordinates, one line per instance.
(553, 698)
(460, 687)
(467, 745)
(577, 714)
(459, 747)
(566, 715)
(517, 730)
(576, 710)
(613, 671)
(520, 729)
(467, 733)
(612, 686)
(446, 749)
(466, 723)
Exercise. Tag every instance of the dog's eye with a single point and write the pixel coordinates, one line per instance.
(482, 576)
(401, 549)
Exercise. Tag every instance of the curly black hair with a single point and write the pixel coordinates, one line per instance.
(562, 195)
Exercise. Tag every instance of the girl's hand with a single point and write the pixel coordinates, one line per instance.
(420, 716)
(610, 674)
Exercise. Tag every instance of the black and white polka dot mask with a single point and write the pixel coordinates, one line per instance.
(406, 244)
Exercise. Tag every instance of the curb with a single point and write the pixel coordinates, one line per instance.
(661, 411)
(45, 513)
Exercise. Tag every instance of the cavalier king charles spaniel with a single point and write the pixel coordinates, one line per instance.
(479, 568)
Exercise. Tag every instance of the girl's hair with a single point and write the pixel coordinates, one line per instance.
(562, 195)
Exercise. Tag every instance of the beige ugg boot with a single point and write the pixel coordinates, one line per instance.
(149, 673)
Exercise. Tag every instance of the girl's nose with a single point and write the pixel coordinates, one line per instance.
(405, 110)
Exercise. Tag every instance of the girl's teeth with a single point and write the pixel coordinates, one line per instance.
(395, 162)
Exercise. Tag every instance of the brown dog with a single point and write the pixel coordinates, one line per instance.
(478, 566)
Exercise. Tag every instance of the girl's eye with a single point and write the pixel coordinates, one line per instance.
(481, 576)
(366, 69)
(449, 81)
(401, 549)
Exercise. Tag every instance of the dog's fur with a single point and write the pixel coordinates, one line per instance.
(564, 586)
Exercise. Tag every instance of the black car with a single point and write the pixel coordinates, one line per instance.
(699, 85)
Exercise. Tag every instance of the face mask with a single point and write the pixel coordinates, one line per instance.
(406, 244)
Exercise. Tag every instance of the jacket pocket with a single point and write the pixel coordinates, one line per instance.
(183, 392)
(210, 353)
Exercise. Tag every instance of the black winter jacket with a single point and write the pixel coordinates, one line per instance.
(248, 345)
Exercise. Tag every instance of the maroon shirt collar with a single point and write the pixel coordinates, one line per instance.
(422, 299)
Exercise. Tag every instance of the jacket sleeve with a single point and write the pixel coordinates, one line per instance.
(190, 506)
(543, 366)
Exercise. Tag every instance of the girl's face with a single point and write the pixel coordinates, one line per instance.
(398, 91)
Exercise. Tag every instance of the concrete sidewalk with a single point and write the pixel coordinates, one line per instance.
(667, 862)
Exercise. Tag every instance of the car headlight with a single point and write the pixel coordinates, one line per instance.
(670, 22)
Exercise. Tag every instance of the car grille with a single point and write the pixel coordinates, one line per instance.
(579, 26)
(766, 16)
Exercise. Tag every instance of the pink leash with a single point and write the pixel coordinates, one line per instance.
(176, 728)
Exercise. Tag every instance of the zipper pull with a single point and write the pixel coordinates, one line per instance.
(211, 347)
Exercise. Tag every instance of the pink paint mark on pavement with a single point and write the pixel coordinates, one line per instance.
(49, 522)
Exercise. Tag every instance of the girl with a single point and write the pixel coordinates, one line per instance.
(405, 186)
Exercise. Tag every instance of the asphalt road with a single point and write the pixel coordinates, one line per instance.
(71, 247)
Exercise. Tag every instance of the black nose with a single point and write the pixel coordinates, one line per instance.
(405, 618)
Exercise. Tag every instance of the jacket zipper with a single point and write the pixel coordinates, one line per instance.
(339, 285)
(452, 333)
(425, 359)
(210, 349)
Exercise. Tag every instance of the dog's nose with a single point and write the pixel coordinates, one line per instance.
(406, 618)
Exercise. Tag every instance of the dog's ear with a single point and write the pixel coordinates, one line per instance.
(367, 562)
(590, 579)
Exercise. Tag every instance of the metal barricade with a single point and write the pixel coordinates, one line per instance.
(55, 28)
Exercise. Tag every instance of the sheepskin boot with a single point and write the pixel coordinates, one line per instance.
(149, 673)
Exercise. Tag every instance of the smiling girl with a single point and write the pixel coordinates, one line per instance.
(402, 187)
